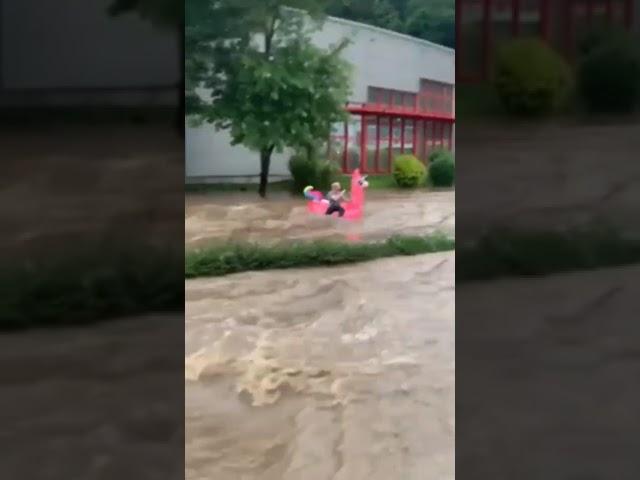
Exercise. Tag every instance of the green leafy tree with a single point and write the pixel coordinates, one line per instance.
(204, 26)
(432, 20)
(386, 16)
(267, 84)
(436, 27)
(165, 14)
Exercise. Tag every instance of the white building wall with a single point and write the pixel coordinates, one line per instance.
(387, 59)
(380, 58)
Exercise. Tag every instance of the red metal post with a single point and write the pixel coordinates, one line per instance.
(364, 155)
(544, 19)
(569, 26)
(346, 147)
(459, 11)
(402, 125)
(390, 156)
(443, 128)
(433, 134)
(451, 137)
(628, 14)
(415, 135)
(377, 161)
(442, 133)
(425, 140)
(486, 37)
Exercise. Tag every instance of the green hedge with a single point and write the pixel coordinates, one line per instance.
(408, 171)
(89, 286)
(226, 259)
(506, 252)
(609, 74)
(531, 78)
(441, 168)
(319, 173)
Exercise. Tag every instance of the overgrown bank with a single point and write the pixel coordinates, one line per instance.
(512, 253)
(86, 287)
(225, 259)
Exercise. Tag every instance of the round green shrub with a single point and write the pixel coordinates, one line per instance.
(305, 171)
(598, 37)
(531, 78)
(609, 76)
(439, 153)
(408, 171)
(441, 168)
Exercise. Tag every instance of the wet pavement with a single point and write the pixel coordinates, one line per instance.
(233, 217)
(322, 374)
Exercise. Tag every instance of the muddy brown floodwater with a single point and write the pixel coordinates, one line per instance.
(244, 217)
(322, 374)
(69, 185)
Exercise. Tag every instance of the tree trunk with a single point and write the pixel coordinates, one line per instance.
(179, 120)
(265, 161)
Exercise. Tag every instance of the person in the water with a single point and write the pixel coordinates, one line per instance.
(336, 196)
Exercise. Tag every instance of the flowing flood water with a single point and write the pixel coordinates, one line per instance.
(322, 374)
(244, 217)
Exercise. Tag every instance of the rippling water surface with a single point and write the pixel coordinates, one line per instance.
(322, 374)
(244, 217)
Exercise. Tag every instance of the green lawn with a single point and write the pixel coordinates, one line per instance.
(224, 259)
(93, 283)
(511, 253)
(376, 182)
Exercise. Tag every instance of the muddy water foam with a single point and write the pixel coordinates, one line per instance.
(344, 373)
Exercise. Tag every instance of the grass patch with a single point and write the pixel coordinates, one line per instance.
(508, 253)
(85, 288)
(376, 182)
(226, 259)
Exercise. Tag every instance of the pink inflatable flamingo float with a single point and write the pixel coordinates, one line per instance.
(353, 209)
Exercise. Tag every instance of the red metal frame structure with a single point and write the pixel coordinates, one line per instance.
(394, 122)
(568, 13)
(395, 139)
